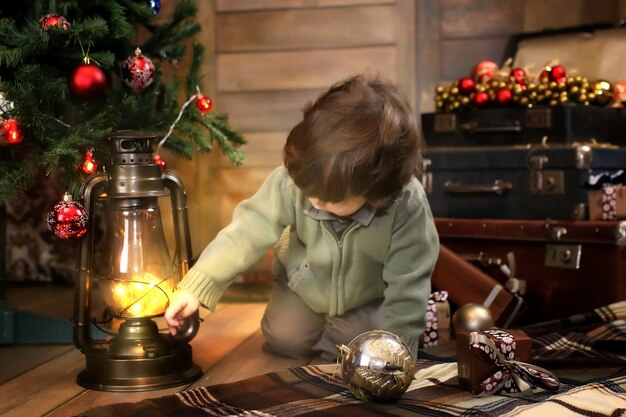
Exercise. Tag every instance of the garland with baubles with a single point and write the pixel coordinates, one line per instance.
(489, 85)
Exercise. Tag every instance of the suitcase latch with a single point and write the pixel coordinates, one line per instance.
(563, 256)
(544, 181)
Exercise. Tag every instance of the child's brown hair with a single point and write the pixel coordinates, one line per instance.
(359, 138)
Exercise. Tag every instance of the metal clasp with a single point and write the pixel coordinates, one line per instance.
(544, 181)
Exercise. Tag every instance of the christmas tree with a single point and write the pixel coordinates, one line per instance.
(72, 72)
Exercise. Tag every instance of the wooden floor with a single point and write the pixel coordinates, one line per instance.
(38, 380)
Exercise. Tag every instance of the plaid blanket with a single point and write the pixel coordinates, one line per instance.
(318, 391)
(597, 337)
(590, 341)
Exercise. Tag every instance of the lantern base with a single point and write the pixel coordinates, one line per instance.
(133, 377)
(139, 359)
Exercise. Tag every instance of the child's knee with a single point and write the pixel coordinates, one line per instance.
(287, 346)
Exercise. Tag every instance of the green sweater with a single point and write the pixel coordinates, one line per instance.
(392, 258)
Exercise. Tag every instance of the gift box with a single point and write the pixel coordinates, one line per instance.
(608, 203)
(496, 362)
(437, 320)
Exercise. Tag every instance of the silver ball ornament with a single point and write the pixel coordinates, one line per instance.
(377, 366)
(472, 317)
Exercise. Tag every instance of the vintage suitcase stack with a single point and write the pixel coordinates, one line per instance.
(531, 195)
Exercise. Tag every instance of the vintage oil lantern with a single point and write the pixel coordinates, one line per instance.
(132, 274)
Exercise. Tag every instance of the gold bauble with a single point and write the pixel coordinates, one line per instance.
(377, 366)
(603, 92)
(472, 317)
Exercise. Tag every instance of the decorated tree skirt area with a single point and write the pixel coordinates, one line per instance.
(577, 349)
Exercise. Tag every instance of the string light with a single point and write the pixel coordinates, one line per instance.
(202, 103)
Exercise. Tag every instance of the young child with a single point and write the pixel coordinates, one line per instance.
(352, 232)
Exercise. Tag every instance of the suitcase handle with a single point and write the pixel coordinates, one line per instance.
(498, 187)
(473, 127)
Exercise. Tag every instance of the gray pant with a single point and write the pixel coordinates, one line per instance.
(292, 329)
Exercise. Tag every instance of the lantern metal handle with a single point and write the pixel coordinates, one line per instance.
(181, 229)
(89, 190)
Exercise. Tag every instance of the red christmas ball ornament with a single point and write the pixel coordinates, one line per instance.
(11, 131)
(160, 161)
(557, 73)
(466, 86)
(87, 81)
(619, 93)
(480, 99)
(137, 71)
(518, 75)
(504, 97)
(68, 219)
(54, 21)
(89, 163)
(484, 71)
(203, 103)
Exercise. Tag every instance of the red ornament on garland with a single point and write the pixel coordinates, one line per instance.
(160, 161)
(68, 219)
(557, 73)
(54, 21)
(545, 73)
(480, 99)
(203, 103)
(137, 71)
(466, 86)
(619, 93)
(11, 131)
(89, 163)
(518, 75)
(87, 81)
(484, 71)
(504, 97)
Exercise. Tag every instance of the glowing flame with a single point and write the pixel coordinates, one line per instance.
(144, 295)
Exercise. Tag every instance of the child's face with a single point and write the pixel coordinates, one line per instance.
(345, 207)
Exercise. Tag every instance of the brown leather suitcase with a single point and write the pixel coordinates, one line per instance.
(566, 267)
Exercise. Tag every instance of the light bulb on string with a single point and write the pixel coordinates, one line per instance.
(89, 163)
(11, 131)
(203, 103)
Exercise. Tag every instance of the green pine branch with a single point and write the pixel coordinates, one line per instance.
(58, 128)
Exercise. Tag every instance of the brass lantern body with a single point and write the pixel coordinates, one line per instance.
(134, 273)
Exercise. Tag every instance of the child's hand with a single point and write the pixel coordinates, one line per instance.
(182, 305)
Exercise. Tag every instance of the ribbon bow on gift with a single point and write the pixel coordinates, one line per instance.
(510, 376)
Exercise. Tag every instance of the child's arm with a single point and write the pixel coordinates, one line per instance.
(256, 226)
(407, 272)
